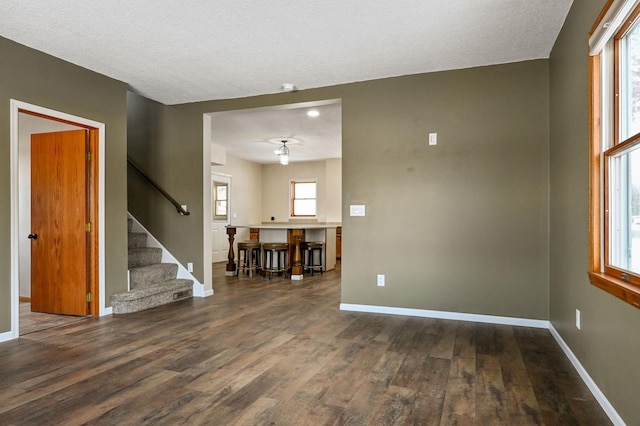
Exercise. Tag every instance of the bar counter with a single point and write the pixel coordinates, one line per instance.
(293, 234)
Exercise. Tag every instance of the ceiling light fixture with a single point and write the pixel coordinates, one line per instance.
(313, 113)
(283, 153)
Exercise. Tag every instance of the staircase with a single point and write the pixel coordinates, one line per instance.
(152, 283)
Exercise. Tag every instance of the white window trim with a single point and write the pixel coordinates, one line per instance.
(609, 24)
(290, 207)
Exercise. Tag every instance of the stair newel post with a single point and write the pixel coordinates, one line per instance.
(231, 265)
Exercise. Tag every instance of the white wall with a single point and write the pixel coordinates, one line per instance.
(333, 190)
(246, 192)
(275, 189)
(28, 125)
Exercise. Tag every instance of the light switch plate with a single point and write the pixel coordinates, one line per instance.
(356, 210)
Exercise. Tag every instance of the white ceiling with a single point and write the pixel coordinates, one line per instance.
(184, 51)
(177, 52)
(246, 133)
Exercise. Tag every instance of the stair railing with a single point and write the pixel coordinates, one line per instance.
(157, 187)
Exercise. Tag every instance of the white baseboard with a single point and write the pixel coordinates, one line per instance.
(199, 291)
(491, 319)
(595, 390)
(424, 313)
(5, 337)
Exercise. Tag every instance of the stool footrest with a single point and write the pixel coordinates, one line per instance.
(310, 250)
(275, 258)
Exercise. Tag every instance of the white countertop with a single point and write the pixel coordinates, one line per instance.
(290, 226)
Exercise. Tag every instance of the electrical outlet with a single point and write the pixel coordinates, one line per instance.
(190, 266)
(380, 280)
(578, 325)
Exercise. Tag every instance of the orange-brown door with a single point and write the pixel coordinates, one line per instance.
(59, 211)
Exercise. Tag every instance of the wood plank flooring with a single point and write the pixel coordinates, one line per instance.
(36, 321)
(280, 352)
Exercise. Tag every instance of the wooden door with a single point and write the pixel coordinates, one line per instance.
(59, 214)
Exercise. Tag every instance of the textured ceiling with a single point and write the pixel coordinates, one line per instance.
(184, 51)
(246, 133)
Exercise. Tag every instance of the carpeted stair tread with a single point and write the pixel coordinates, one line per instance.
(151, 282)
(147, 275)
(137, 240)
(152, 296)
(144, 256)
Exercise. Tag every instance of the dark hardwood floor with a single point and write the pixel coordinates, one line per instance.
(278, 352)
(34, 321)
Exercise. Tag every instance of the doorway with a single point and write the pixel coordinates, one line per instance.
(25, 120)
(242, 143)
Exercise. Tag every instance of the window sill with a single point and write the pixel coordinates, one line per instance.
(624, 290)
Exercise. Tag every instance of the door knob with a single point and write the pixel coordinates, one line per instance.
(32, 236)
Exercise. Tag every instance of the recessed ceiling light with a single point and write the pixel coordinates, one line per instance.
(288, 87)
(313, 113)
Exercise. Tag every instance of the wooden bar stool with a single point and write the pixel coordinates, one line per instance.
(309, 250)
(275, 258)
(248, 257)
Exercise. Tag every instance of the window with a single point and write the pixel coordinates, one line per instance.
(303, 198)
(615, 151)
(220, 198)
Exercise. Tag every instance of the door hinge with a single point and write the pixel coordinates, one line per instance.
(89, 298)
(87, 227)
(89, 156)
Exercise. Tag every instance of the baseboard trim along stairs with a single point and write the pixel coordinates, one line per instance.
(152, 281)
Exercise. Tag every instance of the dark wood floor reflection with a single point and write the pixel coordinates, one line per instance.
(278, 352)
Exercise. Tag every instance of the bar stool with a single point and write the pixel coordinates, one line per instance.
(275, 258)
(309, 249)
(248, 257)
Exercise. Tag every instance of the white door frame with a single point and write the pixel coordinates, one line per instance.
(15, 107)
(207, 283)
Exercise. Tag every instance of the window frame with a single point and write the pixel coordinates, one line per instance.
(605, 119)
(216, 217)
(292, 199)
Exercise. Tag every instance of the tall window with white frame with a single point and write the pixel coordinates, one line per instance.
(615, 151)
(220, 205)
(303, 198)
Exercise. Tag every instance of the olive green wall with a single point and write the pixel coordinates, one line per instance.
(33, 77)
(608, 344)
(462, 226)
(167, 146)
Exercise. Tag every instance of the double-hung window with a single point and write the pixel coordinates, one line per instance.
(220, 201)
(303, 196)
(615, 151)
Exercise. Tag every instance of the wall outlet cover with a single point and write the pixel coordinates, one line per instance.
(356, 210)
